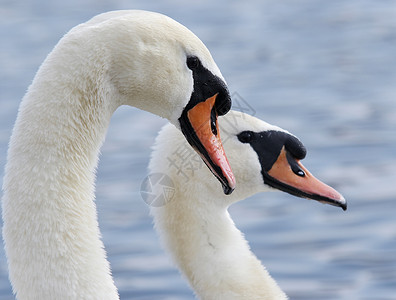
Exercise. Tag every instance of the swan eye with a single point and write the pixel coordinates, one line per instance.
(245, 136)
(192, 62)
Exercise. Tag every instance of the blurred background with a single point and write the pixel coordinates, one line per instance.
(324, 70)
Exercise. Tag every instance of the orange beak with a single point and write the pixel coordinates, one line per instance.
(301, 182)
(205, 139)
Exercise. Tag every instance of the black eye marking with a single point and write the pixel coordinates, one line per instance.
(245, 136)
(193, 62)
(269, 144)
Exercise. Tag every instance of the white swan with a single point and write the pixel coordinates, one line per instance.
(136, 58)
(194, 224)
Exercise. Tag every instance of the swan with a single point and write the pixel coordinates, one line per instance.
(137, 58)
(194, 224)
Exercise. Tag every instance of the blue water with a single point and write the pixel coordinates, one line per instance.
(324, 70)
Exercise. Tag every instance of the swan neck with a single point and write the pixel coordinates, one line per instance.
(210, 251)
(51, 232)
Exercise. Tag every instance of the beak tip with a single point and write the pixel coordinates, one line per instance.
(227, 190)
(343, 203)
(229, 187)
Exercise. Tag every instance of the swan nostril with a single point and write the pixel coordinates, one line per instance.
(296, 169)
(294, 165)
(213, 125)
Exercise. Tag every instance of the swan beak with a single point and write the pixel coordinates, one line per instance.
(289, 175)
(204, 136)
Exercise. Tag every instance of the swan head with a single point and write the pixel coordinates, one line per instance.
(158, 65)
(263, 157)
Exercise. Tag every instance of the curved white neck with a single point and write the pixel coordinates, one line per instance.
(51, 232)
(210, 251)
